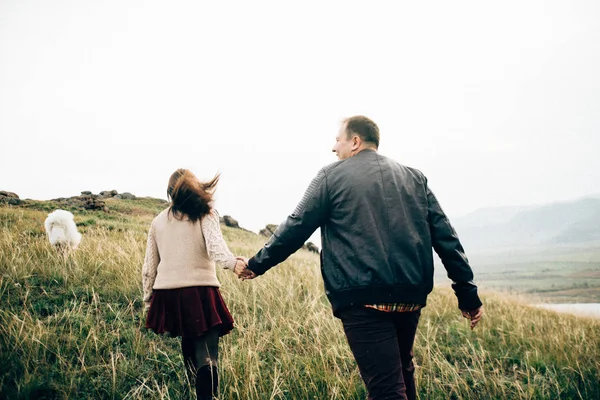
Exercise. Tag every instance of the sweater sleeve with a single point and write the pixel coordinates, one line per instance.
(150, 264)
(215, 243)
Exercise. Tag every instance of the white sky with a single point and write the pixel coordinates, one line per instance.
(498, 103)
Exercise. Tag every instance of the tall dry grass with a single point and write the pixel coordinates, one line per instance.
(72, 329)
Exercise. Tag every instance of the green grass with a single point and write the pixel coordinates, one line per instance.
(72, 328)
(554, 281)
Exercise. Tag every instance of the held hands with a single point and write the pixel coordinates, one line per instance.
(241, 269)
(474, 315)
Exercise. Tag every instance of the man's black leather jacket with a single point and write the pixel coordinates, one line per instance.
(379, 222)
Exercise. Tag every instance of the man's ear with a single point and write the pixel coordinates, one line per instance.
(355, 142)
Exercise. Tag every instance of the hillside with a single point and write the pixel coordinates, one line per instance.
(569, 223)
(72, 329)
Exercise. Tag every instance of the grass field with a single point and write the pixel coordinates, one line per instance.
(72, 329)
(559, 275)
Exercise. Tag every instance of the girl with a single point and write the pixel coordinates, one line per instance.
(181, 290)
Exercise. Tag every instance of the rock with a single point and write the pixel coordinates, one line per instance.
(86, 193)
(230, 222)
(126, 196)
(9, 198)
(93, 203)
(88, 202)
(108, 193)
(12, 195)
(269, 230)
(310, 246)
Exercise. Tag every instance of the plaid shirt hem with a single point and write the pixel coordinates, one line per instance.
(395, 307)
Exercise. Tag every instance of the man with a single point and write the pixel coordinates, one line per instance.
(379, 221)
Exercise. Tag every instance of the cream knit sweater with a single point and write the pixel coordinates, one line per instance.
(181, 253)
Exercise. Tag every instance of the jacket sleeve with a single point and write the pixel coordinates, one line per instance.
(447, 246)
(296, 229)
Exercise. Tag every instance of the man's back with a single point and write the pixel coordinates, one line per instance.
(379, 221)
(377, 232)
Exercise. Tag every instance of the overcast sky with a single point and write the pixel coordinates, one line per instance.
(498, 103)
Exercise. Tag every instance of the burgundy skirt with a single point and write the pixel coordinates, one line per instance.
(188, 312)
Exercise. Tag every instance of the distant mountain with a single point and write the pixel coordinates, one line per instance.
(574, 222)
(490, 216)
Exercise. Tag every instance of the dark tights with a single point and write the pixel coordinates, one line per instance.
(201, 356)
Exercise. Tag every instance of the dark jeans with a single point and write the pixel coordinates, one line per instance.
(382, 344)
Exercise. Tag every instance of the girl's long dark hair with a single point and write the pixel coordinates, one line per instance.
(189, 196)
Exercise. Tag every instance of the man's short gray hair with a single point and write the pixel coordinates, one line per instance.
(364, 128)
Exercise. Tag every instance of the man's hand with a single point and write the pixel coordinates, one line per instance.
(474, 315)
(241, 269)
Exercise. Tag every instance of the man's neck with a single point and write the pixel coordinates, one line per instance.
(360, 149)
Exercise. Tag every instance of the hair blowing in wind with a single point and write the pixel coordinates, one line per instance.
(189, 196)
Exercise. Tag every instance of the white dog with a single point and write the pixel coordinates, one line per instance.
(61, 230)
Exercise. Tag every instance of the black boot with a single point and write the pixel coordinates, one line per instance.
(207, 382)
